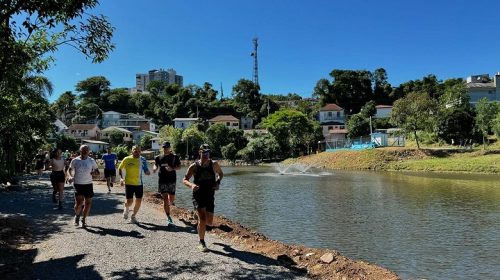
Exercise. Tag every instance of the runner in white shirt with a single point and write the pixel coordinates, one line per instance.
(80, 172)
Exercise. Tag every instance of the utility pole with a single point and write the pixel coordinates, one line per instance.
(255, 62)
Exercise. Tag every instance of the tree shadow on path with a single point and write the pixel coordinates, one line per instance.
(66, 268)
(203, 270)
(113, 232)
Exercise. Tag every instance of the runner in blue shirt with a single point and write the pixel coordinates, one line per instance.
(110, 161)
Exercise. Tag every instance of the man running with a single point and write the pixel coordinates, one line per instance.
(134, 166)
(207, 176)
(80, 172)
(39, 162)
(167, 164)
(110, 160)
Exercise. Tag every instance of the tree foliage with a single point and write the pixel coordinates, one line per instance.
(414, 112)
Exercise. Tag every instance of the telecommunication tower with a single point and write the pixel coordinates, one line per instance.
(255, 63)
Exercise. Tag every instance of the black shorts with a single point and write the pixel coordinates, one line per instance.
(109, 173)
(87, 190)
(57, 177)
(166, 188)
(204, 199)
(39, 165)
(130, 190)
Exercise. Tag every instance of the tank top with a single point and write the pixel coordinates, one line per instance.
(57, 164)
(204, 177)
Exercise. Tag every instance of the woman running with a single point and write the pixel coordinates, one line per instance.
(57, 177)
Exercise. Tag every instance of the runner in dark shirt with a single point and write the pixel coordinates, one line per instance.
(207, 176)
(167, 164)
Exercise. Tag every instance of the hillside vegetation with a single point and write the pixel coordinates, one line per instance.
(391, 159)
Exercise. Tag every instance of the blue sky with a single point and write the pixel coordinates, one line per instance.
(299, 41)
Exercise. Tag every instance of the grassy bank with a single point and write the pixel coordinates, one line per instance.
(438, 160)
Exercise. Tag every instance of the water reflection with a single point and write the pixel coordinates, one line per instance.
(434, 226)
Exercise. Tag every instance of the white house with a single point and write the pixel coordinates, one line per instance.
(480, 86)
(184, 123)
(155, 144)
(60, 127)
(137, 135)
(127, 135)
(129, 121)
(227, 120)
(383, 111)
(331, 112)
(332, 121)
(84, 131)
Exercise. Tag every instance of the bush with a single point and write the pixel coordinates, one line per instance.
(121, 151)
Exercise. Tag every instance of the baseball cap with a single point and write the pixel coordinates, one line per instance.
(166, 145)
(205, 148)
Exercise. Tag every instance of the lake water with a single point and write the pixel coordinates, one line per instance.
(420, 225)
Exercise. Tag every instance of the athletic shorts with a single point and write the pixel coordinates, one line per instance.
(166, 188)
(87, 190)
(130, 190)
(204, 199)
(57, 177)
(39, 165)
(109, 173)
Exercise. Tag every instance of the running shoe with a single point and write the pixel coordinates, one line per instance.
(77, 220)
(125, 213)
(169, 221)
(202, 248)
(133, 219)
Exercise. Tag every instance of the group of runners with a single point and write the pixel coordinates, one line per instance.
(207, 176)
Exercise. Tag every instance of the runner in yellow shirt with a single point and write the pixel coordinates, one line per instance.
(135, 165)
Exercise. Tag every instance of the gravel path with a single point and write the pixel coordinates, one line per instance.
(112, 248)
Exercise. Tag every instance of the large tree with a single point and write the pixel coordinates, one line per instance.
(30, 31)
(292, 130)
(486, 113)
(416, 111)
(91, 89)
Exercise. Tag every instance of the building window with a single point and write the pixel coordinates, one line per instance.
(330, 114)
(227, 124)
(330, 127)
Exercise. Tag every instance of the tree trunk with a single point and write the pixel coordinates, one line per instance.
(416, 139)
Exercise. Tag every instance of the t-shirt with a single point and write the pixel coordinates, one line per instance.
(165, 176)
(134, 167)
(83, 169)
(109, 161)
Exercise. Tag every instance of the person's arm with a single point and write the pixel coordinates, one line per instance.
(155, 165)
(219, 175)
(145, 166)
(120, 173)
(69, 174)
(188, 175)
(95, 168)
(177, 163)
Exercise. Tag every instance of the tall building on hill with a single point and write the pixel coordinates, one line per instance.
(169, 76)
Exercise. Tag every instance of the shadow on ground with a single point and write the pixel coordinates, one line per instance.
(200, 270)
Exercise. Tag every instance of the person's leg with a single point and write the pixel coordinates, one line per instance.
(139, 191)
(202, 221)
(87, 206)
(60, 187)
(166, 206)
(112, 180)
(137, 206)
(78, 208)
(78, 204)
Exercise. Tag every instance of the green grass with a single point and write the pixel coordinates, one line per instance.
(470, 162)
